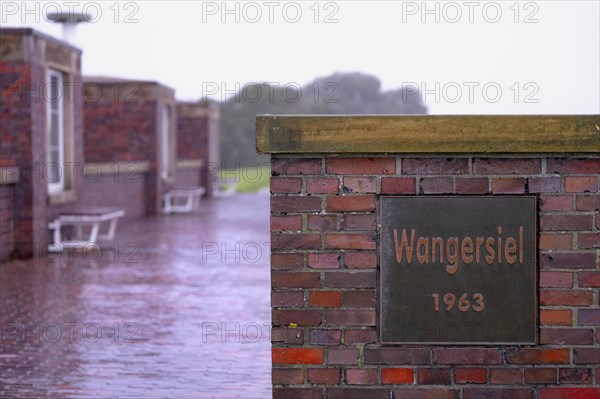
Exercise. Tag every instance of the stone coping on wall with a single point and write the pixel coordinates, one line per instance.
(68, 196)
(120, 167)
(18, 44)
(431, 134)
(198, 109)
(189, 163)
(124, 90)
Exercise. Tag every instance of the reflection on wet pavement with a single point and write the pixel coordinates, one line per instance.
(177, 307)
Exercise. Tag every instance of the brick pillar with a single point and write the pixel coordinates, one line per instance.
(9, 175)
(325, 261)
(27, 55)
(198, 142)
(123, 125)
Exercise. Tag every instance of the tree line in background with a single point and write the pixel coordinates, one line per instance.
(340, 93)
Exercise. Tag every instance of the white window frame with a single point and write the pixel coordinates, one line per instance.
(58, 107)
(165, 142)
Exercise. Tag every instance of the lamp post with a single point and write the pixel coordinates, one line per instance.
(69, 21)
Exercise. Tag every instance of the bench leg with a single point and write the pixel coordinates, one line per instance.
(167, 204)
(57, 246)
(94, 233)
(183, 202)
(189, 203)
(110, 234)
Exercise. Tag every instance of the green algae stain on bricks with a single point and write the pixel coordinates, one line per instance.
(458, 270)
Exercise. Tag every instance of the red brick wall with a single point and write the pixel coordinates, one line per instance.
(125, 191)
(192, 137)
(22, 111)
(192, 143)
(198, 138)
(17, 95)
(7, 221)
(119, 130)
(23, 100)
(121, 123)
(324, 279)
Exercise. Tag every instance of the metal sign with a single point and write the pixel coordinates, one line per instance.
(458, 270)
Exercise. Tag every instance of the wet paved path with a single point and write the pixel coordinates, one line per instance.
(178, 308)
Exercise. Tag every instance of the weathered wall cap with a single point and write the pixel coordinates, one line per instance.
(433, 134)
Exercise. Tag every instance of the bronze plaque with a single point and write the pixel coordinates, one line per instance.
(458, 270)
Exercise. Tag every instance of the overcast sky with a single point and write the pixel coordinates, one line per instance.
(469, 57)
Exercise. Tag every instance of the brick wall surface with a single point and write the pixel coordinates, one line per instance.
(15, 144)
(125, 191)
(15, 109)
(22, 111)
(192, 137)
(192, 143)
(7, 220)
(120, 130)
(23, 101)
(185, 177)
(325, 268)
(198, 139)
(121, 122)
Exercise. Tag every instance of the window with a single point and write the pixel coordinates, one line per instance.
(56, 132)
(165, 141)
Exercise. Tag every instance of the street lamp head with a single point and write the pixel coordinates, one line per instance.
(69, 21)
(68, 17)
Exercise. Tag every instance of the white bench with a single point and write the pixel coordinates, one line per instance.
(81, 218)
(182, 200)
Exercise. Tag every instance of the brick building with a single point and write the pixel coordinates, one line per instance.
(42, 126)
(129, 131)
(68, 141)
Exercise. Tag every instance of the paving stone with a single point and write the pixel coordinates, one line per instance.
(179, 308)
